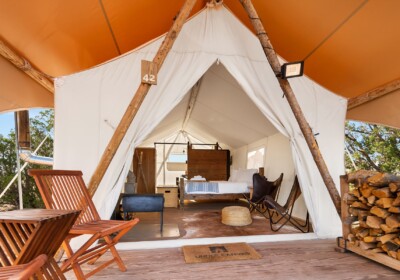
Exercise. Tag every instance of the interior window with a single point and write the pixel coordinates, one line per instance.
(177, 158)
(255, 158)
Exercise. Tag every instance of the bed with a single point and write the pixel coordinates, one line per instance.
(201, 189)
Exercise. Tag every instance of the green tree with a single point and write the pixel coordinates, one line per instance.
(372, 147)
(40, 126)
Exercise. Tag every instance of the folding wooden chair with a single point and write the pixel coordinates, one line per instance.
(63, 189)
(284, 213)
(24, 271)
(261, 188)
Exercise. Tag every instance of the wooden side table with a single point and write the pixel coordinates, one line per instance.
(170, 195)
(26, 234)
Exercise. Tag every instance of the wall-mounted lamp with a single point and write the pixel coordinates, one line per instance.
(292, 69)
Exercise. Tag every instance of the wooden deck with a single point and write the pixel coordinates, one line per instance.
(311, 259)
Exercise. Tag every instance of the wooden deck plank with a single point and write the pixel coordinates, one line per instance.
(311, 259)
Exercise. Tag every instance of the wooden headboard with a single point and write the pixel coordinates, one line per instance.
(210, 164)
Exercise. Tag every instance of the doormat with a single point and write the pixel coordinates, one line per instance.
(219, 253)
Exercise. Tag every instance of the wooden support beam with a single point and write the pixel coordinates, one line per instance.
(23, 64)
(192, 101)
(24, 137)
(138, 98)
(373, 94)
(344, 190)
(286, 88)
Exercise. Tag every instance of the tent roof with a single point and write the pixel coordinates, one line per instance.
(62, 37)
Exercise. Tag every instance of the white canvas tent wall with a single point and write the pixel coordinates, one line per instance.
(90, 104)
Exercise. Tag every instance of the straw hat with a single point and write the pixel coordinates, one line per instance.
(236, 216)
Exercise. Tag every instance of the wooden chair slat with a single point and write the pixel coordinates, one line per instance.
(6, 255)
(23, 232)
(41, 267)
(17, 238)
(64, 189)
(7, 243)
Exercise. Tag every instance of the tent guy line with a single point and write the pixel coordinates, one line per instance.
(336, 29)
(110, 27)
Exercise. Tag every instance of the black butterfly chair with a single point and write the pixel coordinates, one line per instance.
(261, 188)
(278, 213)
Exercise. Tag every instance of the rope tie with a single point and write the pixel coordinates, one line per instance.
(214, 3)
(26, 66)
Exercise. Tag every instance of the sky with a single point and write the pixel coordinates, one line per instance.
(7, 120)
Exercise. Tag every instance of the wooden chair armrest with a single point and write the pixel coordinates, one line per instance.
(30, 268)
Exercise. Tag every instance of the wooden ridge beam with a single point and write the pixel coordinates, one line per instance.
(138, 98)
(294, 105)
(24, 65)
(373, 94)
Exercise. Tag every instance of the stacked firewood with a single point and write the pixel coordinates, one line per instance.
(374, 209)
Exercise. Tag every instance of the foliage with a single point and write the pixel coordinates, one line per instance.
(373, 147)
(40, 126)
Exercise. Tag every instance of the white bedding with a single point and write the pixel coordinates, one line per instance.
(223, 188)
(232, 187)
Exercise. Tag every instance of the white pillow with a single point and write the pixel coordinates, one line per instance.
(245, 175)
(233, 176)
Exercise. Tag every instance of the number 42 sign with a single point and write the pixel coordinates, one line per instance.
(149, 72)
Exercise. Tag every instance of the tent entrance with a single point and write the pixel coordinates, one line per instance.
(104, 92)
(223, 114)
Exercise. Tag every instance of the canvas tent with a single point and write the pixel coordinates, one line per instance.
(90, 104)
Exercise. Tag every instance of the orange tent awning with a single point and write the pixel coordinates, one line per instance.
(351, 46)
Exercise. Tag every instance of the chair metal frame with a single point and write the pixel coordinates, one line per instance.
(256, 203)
(65, 189)
(284, 213)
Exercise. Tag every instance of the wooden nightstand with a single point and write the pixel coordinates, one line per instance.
(170, 195)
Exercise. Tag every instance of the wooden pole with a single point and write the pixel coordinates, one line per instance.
(373, 94)
(194, 92)
(137, 100)
(24, 137)
(286, 88)
(344, 190)
(22, 64)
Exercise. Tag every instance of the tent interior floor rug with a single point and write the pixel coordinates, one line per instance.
(198, 219)
(219, 252)
(148, 232)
